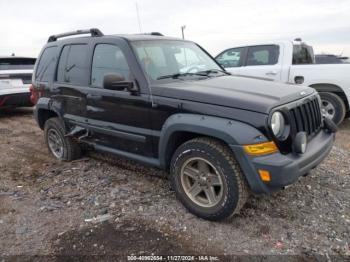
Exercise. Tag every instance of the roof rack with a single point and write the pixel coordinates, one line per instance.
(92, 31)
(151, 33)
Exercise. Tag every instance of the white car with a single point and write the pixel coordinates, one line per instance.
(293, 62)
(15, 79)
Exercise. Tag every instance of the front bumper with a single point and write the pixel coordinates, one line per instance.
(284, 169)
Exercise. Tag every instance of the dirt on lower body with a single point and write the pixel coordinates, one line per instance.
(102, 206)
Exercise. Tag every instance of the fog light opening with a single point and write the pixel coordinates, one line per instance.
(300, 143)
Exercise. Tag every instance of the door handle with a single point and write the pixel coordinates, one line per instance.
(271, 73)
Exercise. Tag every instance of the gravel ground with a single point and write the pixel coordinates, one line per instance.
(105, 205)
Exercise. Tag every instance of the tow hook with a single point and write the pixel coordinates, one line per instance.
(329, 125)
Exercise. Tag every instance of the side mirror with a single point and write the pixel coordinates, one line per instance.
(114, 81)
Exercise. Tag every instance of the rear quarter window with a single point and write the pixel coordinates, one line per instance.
(46, 67)
(303, 54)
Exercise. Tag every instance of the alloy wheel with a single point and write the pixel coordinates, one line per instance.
(55, 143)
(201, 182)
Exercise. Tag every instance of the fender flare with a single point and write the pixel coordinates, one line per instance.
(332, 88)
(230, 131)
(45, 103)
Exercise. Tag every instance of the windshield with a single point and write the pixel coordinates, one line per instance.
(16, 63)
(173, 58)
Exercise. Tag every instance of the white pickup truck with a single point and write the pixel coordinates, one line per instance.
(293, 62)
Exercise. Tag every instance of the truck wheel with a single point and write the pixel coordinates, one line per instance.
(61, 147)
(207, 179)
(333, 107)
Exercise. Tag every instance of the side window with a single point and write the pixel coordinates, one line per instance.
(231, 57)
(108, 59)
(61, 69)
(45, 69)
(262, 55)
(72, 66)
(302, 55)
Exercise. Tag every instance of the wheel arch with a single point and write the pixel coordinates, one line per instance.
(180, 128)
(335, 89)
(44, 111)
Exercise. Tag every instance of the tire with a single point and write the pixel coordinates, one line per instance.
(187, 162)
(333, 106)
(54, 131)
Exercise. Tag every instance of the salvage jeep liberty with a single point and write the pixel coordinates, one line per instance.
(166, 102)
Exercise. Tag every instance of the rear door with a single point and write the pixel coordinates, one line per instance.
(119, 119)
(71, 81)
(263, 61)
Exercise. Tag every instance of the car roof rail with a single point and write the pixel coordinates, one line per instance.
(151, 33)
(92, 31)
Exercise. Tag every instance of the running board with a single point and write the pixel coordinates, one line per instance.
(146, 160)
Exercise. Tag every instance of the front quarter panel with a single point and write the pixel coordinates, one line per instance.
(230, 131)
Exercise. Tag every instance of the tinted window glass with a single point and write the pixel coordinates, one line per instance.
(45, 69)
(262, 55)
(108, 59)
(16, 63)
(72, 67)
(302, 54)
(231, 58)
(61, 69)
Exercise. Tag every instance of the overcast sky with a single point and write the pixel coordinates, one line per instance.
(214, 24)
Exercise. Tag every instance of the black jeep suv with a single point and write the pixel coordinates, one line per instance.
(166, 102)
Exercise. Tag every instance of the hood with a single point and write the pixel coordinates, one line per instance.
(233, 91)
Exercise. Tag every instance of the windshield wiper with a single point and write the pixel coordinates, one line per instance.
(177, 75)
(216, 71)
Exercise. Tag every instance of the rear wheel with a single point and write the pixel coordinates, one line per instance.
(333, 107)
(60, 146)
(207, 179)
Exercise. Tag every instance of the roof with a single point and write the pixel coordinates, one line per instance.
(95, 32)
(138, 37)
(128, 37)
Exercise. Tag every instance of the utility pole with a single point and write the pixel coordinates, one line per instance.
(138, 17)
(182, 31)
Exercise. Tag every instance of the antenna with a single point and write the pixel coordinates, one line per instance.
(138, 17)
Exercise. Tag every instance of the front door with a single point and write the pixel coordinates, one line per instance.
(263, 62)
(232, 59)
(118, 119)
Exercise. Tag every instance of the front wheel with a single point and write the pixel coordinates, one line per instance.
(333, 107)
(207, 179)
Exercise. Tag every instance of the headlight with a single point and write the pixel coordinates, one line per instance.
(277, 124)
